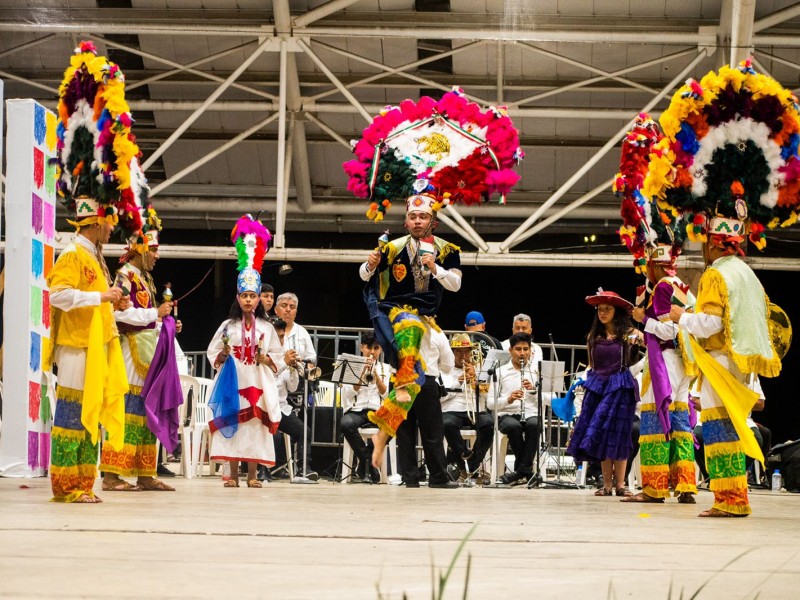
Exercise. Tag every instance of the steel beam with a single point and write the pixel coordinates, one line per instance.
(322, 11)
(513, 239)
(776, 18)
(280, 212)
(501, 64)
(591, 69)
(586, 82)
(335, 81)
(394, 71)
(172, 63)
(212, 155)
(605, 186)
(327, 129)
(205, 104)
(742, 17)
(472, 235)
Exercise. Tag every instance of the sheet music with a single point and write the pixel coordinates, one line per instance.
(552, 376)
(348, 369)
(500, 357)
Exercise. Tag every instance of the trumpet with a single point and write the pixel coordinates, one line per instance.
(367, 375)
(308, 372)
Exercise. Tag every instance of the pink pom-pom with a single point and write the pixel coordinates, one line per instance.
(86, 46)
(501, 181)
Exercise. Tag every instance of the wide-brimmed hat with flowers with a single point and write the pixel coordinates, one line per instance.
(607, 297)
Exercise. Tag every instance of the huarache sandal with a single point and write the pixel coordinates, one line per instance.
(686, 498)
(119, 485)
(623, 491)
(231, 483)
(603, 492)
(254, 483)
(154, 485)
(640, 497)
(717, 513)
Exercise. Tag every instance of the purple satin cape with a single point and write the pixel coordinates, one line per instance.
(162, 389)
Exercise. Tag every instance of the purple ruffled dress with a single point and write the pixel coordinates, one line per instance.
(603, 430)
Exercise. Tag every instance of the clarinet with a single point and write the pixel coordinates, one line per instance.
(522, 387)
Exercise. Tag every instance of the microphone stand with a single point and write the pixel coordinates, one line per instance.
(536, 479)
(306, 449)
(492, 372)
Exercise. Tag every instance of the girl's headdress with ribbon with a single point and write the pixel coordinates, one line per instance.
(650, 233)
(728, 160)
(251, 239)
(97, 153)
(434, 153)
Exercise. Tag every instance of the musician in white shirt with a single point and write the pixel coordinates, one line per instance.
(461, 408)
(296, 337)
(517, 407)
(357, 400)
(522, 324)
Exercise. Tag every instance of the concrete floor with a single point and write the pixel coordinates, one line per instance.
(361, 541)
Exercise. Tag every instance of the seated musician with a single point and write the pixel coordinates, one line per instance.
(357, 400)
(517, 407)
(461, 410)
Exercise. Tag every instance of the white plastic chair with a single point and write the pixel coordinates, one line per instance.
(201, 435)
(389, 452)
(188, 383)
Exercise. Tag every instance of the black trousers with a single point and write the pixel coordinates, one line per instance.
(292, 425)
(425, 414)
(454, 422)
(350, 423)
(522, 437)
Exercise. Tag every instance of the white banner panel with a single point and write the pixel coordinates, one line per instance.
(30, 229)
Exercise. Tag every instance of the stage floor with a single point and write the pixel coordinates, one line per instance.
(356, 541)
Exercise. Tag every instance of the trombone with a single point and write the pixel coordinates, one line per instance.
(471, 386)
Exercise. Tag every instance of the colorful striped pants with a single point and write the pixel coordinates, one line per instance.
(138, 458)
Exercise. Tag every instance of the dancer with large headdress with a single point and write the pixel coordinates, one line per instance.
(147, 334)
(95, 153)
(654, 237)
(428, 154)
(729, 164)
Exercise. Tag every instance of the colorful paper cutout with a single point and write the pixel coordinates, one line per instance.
(36, 213)
(38, 168)
(49, 221)
(50, 137)
(33, 449)
(36, 352)
(37, 259)
(39, 123)
(34, 400)
(36, 306)
(47, 260)
(46, 308)
(44, 450)
(50, 175)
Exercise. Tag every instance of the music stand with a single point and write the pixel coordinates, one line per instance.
(493, 361)
(551, 381)
(347, 370)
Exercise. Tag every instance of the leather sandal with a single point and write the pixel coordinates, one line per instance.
(623, 491)
(686, 498)
(154, 485)
(231, 483)
(603, 492)
(254, 483)
(641, 497)
(717, 513)
(120, 486)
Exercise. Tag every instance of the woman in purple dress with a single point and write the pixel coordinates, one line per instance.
(603, 430)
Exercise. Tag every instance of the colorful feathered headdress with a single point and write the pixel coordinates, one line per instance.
(96, 148)
(649, 232)
(729, 159)
(450, 151)
(251, 239)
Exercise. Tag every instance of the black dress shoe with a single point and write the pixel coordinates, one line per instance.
(511, 478)
(443, 485)
(163, 471)
(411, 484)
